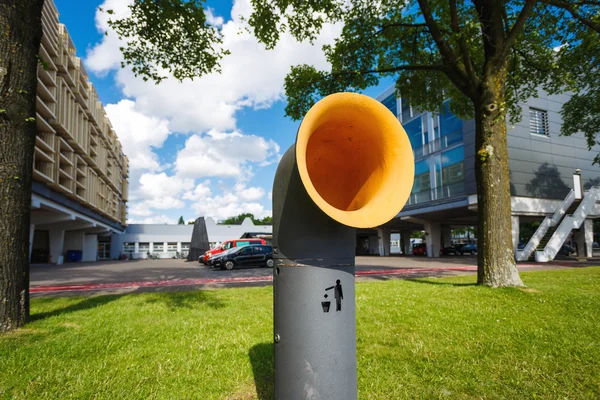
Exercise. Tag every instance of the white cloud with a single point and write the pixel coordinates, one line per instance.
(157, 186)
(240, 200)
(223, 154)
(200, 192)
(251, 76)
(222, 207)
(249, 194)
(106, 55)
(138, 133)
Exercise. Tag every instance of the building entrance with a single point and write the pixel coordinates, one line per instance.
(103, 251)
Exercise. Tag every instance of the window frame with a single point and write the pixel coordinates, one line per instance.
(536, 123)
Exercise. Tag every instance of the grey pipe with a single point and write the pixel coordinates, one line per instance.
(314, 301)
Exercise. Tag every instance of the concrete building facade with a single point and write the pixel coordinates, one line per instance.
(80, 172)
(444, 194)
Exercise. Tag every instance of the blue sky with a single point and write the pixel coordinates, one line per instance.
(203, 148)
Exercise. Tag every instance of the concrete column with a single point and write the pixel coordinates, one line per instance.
(433, 238)
(31, 232)
(179, 247)
(589, 237)
(584, 239)
(136, 247)
(90, 248)
(446, 235)
(405, 242)
(151, 249)
(383, 235)
(515, 232)
(165, 247)
(57, 243)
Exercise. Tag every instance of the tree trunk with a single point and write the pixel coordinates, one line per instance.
(495, 257)
(20, 34)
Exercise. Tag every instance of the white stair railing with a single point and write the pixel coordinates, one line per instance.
(523, 255)
(569, 223)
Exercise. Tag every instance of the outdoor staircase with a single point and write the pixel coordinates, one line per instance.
(544, 241)
(554, 231)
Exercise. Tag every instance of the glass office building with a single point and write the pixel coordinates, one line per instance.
(437, 143)
(444, 192)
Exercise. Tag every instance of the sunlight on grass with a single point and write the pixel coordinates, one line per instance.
(427, 338)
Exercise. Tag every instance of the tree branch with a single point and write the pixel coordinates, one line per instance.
(450, 60)
(409, 67)
(569, 7)
(517, 26)
(462, 44)
(400, 25)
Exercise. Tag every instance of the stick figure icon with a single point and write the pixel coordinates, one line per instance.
(339, 295)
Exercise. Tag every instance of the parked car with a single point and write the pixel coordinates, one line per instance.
(450, 250)
(468, 249)
(253, 255)
(419, 249)
(229, 244)
(212, 259)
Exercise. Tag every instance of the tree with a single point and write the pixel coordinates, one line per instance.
(237, 220)
(484, 55)
(181, 221)
(21, 27)
(581, 56)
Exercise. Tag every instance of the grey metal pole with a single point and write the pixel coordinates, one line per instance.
(314, 301)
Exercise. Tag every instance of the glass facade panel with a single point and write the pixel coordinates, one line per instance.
(144, 247)
(414, 131)
(171, 246)
(406, 114)
(158, 246)
(422, 182)
(449, 122)
(390, 103)
(452, 173)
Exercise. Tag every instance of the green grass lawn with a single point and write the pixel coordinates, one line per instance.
(430, 338)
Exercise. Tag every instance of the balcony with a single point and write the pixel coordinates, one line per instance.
(438, 193)
(439, 144)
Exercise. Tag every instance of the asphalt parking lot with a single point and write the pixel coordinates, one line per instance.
(175, 274)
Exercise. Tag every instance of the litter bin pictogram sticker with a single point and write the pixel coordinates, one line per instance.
(338, 294)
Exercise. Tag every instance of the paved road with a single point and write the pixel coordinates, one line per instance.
(165, 275)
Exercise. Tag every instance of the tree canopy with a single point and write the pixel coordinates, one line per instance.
(237, 220)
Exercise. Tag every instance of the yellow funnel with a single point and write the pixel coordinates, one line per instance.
(355, 160)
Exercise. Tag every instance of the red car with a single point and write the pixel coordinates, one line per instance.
(419, 249)
(229, 244)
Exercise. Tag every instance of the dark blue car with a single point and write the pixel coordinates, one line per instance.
(253, 255)
(468, 249)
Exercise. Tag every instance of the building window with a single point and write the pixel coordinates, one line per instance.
(185, 246)
(171, 246)
(414, 131)
(158, 246)
(449, 123)
(406, 114)
(128, 247)
(452, 179)
(144, 247)
(390, 103)
(538, 122)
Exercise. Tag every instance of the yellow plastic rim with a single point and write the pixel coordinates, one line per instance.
(355, 160)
